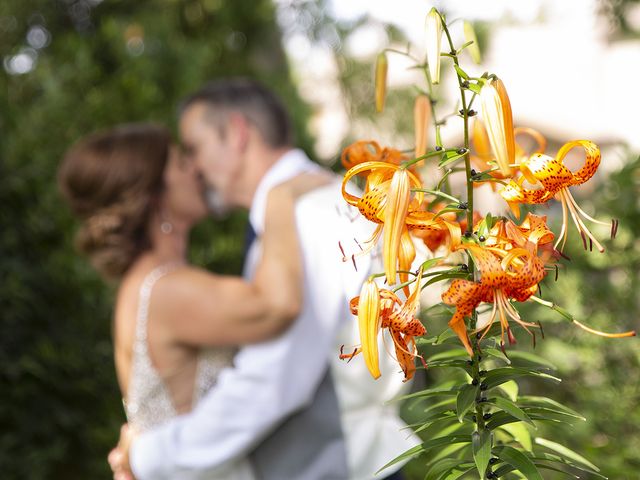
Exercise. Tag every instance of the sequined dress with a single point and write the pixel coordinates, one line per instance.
(148, 402)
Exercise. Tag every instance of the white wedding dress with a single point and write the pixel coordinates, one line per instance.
(149, 403)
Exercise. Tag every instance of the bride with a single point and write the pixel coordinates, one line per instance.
(175, 325)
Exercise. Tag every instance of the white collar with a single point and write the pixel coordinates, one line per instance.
(292, 163)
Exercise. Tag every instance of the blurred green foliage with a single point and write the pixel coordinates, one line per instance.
(96, 64)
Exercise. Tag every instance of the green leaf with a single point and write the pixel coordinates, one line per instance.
(549, 414)
(440, 467)
(447, 354)
(520, 461)
(511, 389)
(500, 418)
(465, 400)
(481, 447)
(446, 440)
(474, 87)
(494, 352)
(447, 334)
(412, 452)
(530, 400)
(512, 409)
(433, 392)
(520, 434)
(565, 452)
(531, 358)
(457, 473)
(450, 157)
(461, 72)
(500, 375)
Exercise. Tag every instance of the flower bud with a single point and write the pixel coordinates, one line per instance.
(434, 37)
(421, 119)
(381, 81)
(498, 121)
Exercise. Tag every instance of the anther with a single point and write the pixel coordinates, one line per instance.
(474, 382)
(486, 416)
(461, 151)
(481, 238)
(465, 84)
(438, 148)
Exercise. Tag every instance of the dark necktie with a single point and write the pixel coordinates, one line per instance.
(249, 238)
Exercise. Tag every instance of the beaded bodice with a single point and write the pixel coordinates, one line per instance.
(148, 402)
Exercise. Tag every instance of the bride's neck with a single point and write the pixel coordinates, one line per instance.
(169, 240)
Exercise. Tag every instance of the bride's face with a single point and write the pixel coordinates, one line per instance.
(184, 190)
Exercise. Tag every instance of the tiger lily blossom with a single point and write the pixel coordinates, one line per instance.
(389, 202)
(551, 179)
(509, 269)
(379, 309)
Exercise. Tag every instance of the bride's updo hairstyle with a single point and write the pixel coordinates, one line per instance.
(112, 181)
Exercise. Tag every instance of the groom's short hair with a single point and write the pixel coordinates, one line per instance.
(259, 105)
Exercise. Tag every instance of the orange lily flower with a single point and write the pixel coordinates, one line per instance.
(509, 269)
(370, 151)
(551, 178)
(388, 201)
(388, 311)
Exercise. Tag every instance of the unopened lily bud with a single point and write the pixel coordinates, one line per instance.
(369, 325)
(498, 121)
(394, 221)
(474, 48)
(381, 81)
(434, 36)
(421, 120)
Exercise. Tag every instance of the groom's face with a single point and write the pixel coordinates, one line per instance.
(210, 150)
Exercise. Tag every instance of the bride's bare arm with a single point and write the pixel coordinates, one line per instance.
(201, 308)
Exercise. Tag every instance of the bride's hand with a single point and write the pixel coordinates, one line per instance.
(119, 457)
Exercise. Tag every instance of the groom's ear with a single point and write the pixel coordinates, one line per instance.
(238, 129)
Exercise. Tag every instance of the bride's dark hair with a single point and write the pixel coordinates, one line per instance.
(112, 180)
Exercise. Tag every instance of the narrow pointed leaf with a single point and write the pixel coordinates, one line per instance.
(530, 400)
(440, 467)
(465, 400)
(501, 375)
(566, 452)
(512, 409)
(450, 157)
(520, 461)
(412, 452)
(520, 433)
(481, 446)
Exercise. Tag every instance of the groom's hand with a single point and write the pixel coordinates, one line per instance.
(119, 457)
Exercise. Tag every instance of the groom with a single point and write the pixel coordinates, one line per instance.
(289, 403)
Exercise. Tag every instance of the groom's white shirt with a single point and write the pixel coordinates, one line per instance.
(272, 380)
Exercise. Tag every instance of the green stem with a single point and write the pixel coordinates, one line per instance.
(475, 370)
